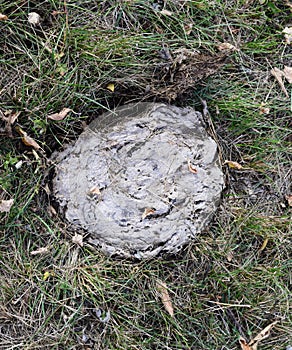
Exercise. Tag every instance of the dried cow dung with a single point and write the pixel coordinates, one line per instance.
(140, 180)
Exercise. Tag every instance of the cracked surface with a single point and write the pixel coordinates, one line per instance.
(142, 179)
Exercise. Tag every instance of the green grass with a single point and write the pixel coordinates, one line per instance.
(226, 283)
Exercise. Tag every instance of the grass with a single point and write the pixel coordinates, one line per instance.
(235, 278)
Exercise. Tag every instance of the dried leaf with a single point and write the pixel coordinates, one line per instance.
(165, 298)
(243, 344)
(34, 18)
(226, 47)
(277, 73)
(263, 109)
(289, 200)
(94, 191)
(78, 239)
(9, 118)
(111, 87)
(3, 17)
(288, 35)
(61, 115)
(265, 333)
(229, 256)
(147, 212)
(5, 205)
(265, 242)
(233, 165)
(191, 167)
(166, 12)
(188, 28)
(27, 140)
(52, 211)
(40, 251)
(288, 74)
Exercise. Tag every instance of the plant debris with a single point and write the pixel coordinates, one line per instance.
(34, 18)
(3, 17)
(233, 165)
(9, 118)
(253, 344)
(61, 115)
(165, 298)
(5, 205)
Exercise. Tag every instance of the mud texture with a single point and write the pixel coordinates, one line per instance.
(141, 180)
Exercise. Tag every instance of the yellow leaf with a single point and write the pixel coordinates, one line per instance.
(61, 115)
(48, 274)
(265, 242)
(3, 17)
(111, 87)
(165, 298)
(233, 165)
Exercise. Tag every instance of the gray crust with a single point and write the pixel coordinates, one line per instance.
(135, 158)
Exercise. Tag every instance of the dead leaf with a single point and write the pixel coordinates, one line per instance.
(288, 74)
(27, 140)
(288, 35)
(265, 333)
(188, 28)
(111, 87)
(265, 242)
(229, 256)
(243, 344)
(287, 2)
(166, 12)
(165, 298)
(191, 167)
(5, 205)
(34, 18)
(289, 200)
(9, 118)
(61, 115)
(147, 212)
(94, 190)
(263, 109)
(40, 251)
(226, 47)
(52, 211)
(3, 17)
(277, 73)
(78, 239)
(233, 165)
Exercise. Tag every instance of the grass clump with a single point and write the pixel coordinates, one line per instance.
(234, 279)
